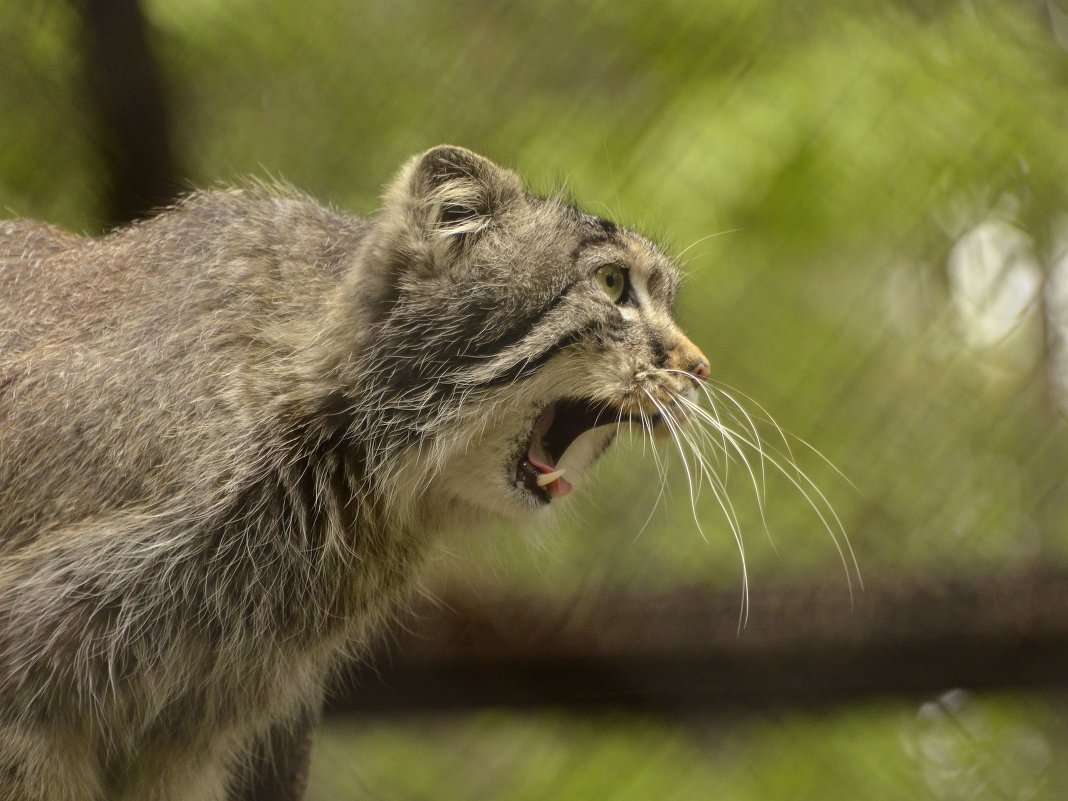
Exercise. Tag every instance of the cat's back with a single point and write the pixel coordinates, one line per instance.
(28, 249)
(150, 350)
(238, 249)
(24, 241)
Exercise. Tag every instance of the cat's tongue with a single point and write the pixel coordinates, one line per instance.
(551, 479)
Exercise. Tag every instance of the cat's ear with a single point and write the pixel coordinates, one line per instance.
(451, 192)
(439, 205)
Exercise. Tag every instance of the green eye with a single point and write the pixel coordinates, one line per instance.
(612, 281)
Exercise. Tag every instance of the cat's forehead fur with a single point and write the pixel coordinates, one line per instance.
(524, 241)
(604, 241)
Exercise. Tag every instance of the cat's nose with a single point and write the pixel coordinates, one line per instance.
(687, 356)
(700, 369)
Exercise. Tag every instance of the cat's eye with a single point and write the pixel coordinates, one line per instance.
(612, 281)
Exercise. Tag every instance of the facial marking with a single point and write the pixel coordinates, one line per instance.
(582, 359)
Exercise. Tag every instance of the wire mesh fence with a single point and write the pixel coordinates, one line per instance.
(869, 202)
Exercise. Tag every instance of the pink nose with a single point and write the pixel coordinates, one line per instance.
(700, 369)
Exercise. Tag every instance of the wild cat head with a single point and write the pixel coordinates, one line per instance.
(514, 336)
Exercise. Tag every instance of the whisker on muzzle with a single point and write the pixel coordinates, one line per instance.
(714, 430)
(684, 441)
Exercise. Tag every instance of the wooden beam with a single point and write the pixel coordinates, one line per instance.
(682, 651)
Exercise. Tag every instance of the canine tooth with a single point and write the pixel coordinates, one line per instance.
(545, 479)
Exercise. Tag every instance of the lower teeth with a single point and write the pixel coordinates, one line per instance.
(545, 479)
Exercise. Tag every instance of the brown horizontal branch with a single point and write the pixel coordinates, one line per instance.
(682, 651)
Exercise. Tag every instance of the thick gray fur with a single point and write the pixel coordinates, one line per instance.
(228, 433)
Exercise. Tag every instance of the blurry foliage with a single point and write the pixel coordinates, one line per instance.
(814, 164)
(49, 166)
(952, 749)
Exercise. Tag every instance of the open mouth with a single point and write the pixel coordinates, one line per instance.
(540, 468)
(559, 426)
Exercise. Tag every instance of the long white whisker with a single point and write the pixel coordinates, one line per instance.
(729, 430)
(725, 391)
(719, 491)
(682, 455)
(661, 469)
(647, 430)
(730, 436)
(823, 509)
(748, 422)
(722, 388)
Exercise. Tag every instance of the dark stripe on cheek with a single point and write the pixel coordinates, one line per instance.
(475, 332)
(529, 366)
(472, 338)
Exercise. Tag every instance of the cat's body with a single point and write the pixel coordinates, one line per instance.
(228, 433)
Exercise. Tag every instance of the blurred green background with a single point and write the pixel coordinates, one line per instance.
(869, 201)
